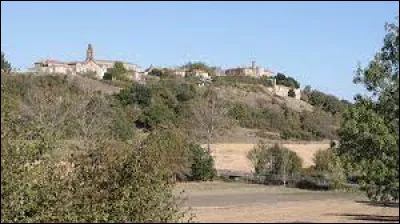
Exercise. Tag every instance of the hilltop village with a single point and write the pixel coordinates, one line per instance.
(100, 67)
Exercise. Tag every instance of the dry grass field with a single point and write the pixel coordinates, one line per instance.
(239, 202)
(233, 156)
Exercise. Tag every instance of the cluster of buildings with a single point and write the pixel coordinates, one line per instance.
(90, 65)
(100, 67)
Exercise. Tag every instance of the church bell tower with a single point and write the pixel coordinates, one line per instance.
(89, 53)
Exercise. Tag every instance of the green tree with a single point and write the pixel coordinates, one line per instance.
(275, 160)
(118, 71)
(170, 149)
(282, 79)
(139, 94)
(327, 162)
(191, 66)
(5, 65)
(369, 135)
(202, 164)
(322, 159)
(156, 116)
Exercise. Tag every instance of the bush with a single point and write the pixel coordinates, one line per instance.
(322, 159)
(107, 76)
(328, 103)
(275, 160)
(314, 184)
(122, 125)
(282, 79)
(291, 93)
(202, 164)
(185, 92)
(138, 94)
(171, 150)
(94, 185)
(328, 163)
(239, 112)
(156, 116)
(118, 71)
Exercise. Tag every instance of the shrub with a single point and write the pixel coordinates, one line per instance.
(329, 164)
(314, 184)
(275, 160)
(138, 94)
(185, 92)
(322, 159)
(282, 79)
(327, 102)
(95, 185)
(122, 125)
(156, 116)
(239, 112)
(170, 149)
(107, 76)
(118, 71)
(202, 164)
(291, 93)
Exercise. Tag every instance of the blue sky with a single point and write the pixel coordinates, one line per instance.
(318, 43)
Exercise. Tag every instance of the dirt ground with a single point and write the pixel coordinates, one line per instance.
(239, 202)
(233, 156)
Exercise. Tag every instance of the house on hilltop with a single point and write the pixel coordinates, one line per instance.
(254, 71)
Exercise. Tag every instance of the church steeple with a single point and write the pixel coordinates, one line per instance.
(89, 53)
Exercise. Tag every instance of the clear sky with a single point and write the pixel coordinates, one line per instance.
(318, 43)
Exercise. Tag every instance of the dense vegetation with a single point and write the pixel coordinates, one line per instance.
(369, 135)
(290, 124)
(326, 102)
(74, 155)
(282, 79)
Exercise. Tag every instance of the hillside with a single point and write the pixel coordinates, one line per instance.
(244, 112)
(259, 96)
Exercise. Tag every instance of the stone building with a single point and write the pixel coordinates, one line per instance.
(281, 90)
(200, 73)
(97, 66)
(254, 71)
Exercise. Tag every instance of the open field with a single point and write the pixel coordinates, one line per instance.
(239, 202)
(233, 156)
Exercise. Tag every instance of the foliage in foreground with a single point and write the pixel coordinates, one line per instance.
(100, 184)
(369, 135)
(45, 179)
